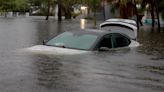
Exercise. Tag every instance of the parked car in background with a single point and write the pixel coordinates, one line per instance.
(125, 26)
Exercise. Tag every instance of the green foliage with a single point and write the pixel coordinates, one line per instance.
(13, 5)
(88, 18)
(21, 5)
(35, 2)
(92, 4)
(6, 5)
(113, 7)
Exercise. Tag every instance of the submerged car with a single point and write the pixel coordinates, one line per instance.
(91, 40)
(113, 33)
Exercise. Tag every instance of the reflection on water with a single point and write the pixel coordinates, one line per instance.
(152, 44)
(49, 72)
(83, 23)
(119, 70)
(155, 69)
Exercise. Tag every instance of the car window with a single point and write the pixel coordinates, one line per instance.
(120, 40)
(106, 42)
(114, 40)
(73, 40)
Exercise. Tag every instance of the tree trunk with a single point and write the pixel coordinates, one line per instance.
(94, 10)
(136, 12)
(94, 19)
(88, 12)
(5, 14)
(59, 11)
(152, 13)
(123, 12)
(48, 10)
(67, 13)
(104, 10)
(157, 13)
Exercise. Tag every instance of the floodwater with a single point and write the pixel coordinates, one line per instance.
(138, 69)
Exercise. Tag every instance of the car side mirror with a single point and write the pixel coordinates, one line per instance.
(103, 49)
(44, 42)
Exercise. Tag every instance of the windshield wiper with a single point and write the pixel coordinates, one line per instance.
(62, 46)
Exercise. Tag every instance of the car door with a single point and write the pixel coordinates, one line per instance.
(119, 40)
(105, 42)
(113, 40)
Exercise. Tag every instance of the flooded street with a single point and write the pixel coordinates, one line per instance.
(138, 69)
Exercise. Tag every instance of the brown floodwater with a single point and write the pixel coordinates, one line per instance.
(139, 69)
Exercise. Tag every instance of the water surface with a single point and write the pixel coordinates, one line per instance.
(138, 69)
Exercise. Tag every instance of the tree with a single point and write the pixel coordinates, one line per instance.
(128, 8)
(153, 8)
(157, 13)
(6, 6)
(13, 5)
(46, 6)
(20, 5)
(59, 10)
(160, 6)
(66, 7)
(92, 5)
(48, 9)
(96, 3)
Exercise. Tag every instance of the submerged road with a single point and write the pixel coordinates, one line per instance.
(138, 69)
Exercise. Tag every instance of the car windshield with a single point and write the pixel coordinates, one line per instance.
(73, 40)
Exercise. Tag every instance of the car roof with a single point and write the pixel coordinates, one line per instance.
(97, 32)
(127, 21)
